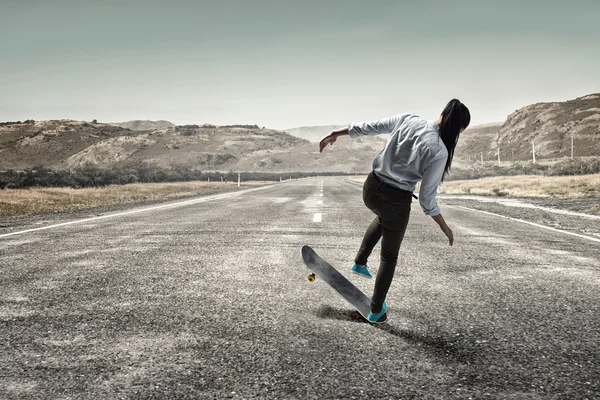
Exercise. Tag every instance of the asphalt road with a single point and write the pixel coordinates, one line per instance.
(209, 299)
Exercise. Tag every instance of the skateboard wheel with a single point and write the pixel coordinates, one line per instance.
(311, 278)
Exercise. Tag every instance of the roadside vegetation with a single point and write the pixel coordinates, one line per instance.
(550, 167)
(44, 190)
(121, 174)
(563, 187)
(37, 200)
(41, 190)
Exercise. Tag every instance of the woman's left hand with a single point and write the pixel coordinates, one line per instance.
(327, 140)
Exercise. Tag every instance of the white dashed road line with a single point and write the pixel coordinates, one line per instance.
(318, 217)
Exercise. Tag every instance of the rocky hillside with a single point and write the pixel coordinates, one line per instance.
(476, 140)
(549, 125)
(50, 143)
(144, 125)
(73, 144)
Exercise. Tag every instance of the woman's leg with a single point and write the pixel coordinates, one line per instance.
(372, 236)
(370, 194)
(393, 234)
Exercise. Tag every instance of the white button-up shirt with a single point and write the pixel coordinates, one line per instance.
(414, 152)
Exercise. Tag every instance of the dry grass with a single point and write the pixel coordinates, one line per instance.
(562, 187)
(42, 200)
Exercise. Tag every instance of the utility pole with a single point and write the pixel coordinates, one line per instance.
(572, 150)
(533, 150)
(498, 155)
(481, 158)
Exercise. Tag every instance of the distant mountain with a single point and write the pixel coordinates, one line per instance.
(145, 125)
(475, 141)
(313, 134)
(71, 144)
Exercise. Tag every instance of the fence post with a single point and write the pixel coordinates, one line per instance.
(239, 180)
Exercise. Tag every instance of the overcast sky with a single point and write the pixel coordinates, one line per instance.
(283, 64)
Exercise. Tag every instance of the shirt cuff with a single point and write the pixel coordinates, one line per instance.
(353, 132)
(433, 212)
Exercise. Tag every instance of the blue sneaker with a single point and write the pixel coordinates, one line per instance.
(380, 317)
(363, 271)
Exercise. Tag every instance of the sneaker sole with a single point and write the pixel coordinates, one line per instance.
(380, 321)
(359, 274)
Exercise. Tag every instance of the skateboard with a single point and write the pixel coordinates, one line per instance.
(339, 282)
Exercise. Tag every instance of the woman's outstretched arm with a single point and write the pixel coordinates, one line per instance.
(366, 128)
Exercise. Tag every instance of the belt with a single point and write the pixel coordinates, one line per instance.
(387, 185)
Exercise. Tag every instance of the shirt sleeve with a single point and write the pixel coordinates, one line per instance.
(371, 128)
(432, 177)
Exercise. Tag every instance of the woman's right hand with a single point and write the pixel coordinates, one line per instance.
(448, 232)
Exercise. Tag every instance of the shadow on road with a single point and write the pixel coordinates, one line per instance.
(429, 339)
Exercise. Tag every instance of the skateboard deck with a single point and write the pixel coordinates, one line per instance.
(339, 282)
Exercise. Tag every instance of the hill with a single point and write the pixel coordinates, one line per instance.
(74, 144)
(549, 125)
(476, 140)
(50, 143)
(71, 144)
(144, 125)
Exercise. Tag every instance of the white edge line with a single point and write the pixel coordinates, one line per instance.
(518, 201)
(172, 205)
(530, 223)
(525, 222)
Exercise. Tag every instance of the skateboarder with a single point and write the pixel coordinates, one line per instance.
(417, 150)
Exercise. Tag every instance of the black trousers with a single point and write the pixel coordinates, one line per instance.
(391, 206)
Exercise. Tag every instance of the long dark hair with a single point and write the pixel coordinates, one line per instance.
(456, 116)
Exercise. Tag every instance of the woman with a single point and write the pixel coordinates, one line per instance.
(417, 150)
